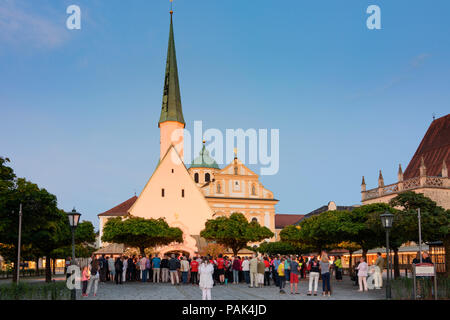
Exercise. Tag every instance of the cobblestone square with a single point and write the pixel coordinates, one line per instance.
(344, 290)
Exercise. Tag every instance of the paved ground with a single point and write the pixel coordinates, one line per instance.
(149, 291)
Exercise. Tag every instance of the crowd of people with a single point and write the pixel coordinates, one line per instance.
(256, 271)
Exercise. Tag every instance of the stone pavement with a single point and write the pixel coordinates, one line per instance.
(165, 291)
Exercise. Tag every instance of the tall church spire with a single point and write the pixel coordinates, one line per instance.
(171, 123)
(171, 104)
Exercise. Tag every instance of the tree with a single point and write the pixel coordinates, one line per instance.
(39, 221)
(323, 231)
(364, 235)
(234, 232)
(140, 233)
(279, 247)
(435, 220)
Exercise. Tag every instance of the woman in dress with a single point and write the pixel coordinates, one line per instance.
(206, 283)
(362, 274)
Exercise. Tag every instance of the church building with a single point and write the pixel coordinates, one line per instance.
(188, 197)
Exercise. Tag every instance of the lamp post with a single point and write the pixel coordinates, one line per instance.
(386, 219)
(74, 218)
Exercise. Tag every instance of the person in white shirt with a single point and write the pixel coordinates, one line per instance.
(206, 283)
(362, 274)
(246, 270)
(111, 267)
(125, 265)
(142, 265)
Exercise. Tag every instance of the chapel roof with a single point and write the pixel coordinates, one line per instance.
(119, 210)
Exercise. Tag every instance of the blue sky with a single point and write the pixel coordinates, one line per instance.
(79, 108)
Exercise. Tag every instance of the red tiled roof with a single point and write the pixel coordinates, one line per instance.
(434, 148)
(119, 210)
(283, 220)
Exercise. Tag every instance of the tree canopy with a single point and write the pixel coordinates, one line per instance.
(234, 232)
(140, 233)
(44, 226)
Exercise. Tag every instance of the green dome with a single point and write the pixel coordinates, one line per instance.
(204, 160)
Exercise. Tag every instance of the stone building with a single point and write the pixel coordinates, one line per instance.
(426, 173)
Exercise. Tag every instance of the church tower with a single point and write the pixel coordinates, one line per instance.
(171, 122)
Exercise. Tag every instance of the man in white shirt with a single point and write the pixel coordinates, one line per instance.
(246, 270)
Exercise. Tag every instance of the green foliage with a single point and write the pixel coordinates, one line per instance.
(435, 219)
(280, 247)
(33, 291)
(140, 232)
(44, 227)
(234, 232)
(323, 231)
(365, 234)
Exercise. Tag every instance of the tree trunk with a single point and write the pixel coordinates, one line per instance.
(446, 243)
(54, 266)
(350, 264)
(14, 276)
(37, 266)
(48, 270)
(142, 251)
(364, 254)
(235, 251)
(396, 266)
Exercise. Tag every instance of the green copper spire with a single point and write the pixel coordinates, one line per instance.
(171, 104)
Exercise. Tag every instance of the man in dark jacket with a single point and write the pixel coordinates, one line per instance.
(103, 265)
(119, 268)
(174, 266)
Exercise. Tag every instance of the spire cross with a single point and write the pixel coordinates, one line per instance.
(171, 7)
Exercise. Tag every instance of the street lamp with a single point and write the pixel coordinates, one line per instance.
(74, 218)
(387, 219)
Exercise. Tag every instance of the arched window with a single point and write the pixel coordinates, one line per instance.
(219, 188)
(254, 220)
(236, 170)
(253, 190)
(196, 177)
(207, 177)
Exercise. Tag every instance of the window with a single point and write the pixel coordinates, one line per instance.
(207, 177)
(182, 193)
(254, 220)
(172, 171)
(196, 177)
(219, 188)
(253, 190)
(162, 193)
(236, 170)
